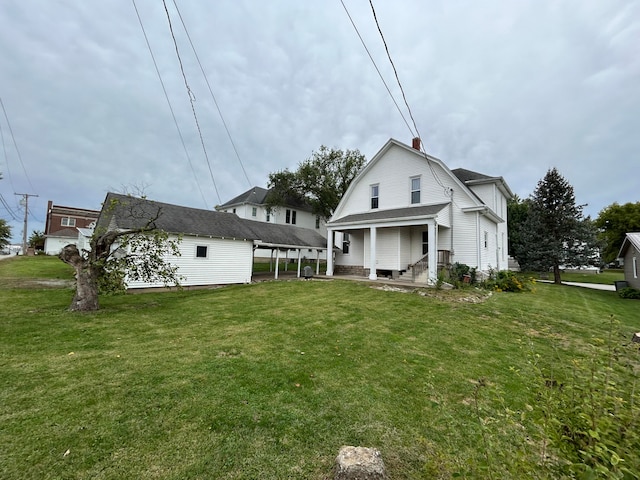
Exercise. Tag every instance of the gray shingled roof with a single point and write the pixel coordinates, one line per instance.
(275, 234)
(465, 175)
(255, 195)
(395, 213)
(65, 232)
(131, 212)
(258, 196)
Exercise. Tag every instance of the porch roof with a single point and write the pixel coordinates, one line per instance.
(394, 214)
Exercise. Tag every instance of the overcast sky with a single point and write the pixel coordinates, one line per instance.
(506, 88)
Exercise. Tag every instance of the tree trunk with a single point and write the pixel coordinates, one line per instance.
(556, 275)
(86, 296)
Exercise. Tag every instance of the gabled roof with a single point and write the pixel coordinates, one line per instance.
(429, 158)
(632, 238)
(470, 178)
(258, 196)
(126, 212)
(65, 232)
(423, 211)
(254, 196)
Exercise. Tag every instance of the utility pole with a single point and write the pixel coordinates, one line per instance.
(25, 196)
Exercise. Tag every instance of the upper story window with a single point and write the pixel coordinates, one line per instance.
(415, 190)
(201, 251)
(486, 239)
(375, 191)
(68, 222)
(254, 212)
(290, 217)
(345, 243)
(317, 221)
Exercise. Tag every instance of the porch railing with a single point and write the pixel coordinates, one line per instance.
(421, 266)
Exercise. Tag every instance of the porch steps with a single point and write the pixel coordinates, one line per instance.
(407, 276)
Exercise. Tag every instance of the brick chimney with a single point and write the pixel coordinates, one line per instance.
(416, 143)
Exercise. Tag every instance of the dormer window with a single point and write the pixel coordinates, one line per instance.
(415, 190)
(375, 189)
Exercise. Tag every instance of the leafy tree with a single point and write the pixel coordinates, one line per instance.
(554, 233)
(5, 233)
(615, 221)
(517, 213)
(320, 181)
(36, 240)
(136, 252)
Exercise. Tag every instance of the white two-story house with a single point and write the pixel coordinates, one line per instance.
(252, 205)
(407, 213)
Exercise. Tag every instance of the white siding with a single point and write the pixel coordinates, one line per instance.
(228, 261)
(54, 245)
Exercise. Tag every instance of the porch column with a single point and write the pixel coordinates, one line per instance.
(432, 232)
(299, 255)
(329, 272)
(277, 262)
(317, 262)
(372, 254)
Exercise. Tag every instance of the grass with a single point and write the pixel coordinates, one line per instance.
(269, 380)
(607, 277)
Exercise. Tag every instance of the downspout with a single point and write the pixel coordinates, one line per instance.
(478, 242)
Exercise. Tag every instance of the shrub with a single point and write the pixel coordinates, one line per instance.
(508, 281)
(629, 292)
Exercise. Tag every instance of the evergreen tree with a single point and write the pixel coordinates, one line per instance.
(554, 232)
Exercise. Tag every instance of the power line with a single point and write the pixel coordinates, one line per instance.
(6, 157)
(166, 95)
(446, 190)
(212, 95)
(377, 69)
(5, 204)
(15, 145)
(192, 99)
(25, 196)
(394, 68)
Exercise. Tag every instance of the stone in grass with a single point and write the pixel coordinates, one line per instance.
(359, 463)
(636, 337)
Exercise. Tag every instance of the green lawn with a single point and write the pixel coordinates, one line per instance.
(269, 380)
(607, 277)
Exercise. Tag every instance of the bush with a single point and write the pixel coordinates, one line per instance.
(508, 281)
(460, 274)
(629, 292)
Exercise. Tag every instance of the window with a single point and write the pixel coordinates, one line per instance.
(201, 251)
(68, 222)
(375, 189)
(254, 212)
(486, 239)
(317, 221)
(290, 217)
(234, 210)
(635, 268)
(425, 243)
(345, 243)
(415, 190)
(268, 217)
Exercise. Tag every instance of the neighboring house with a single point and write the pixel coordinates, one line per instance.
(252, 205)
(406, 214)
(61, 226)
(630, 252)
(216, 247)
